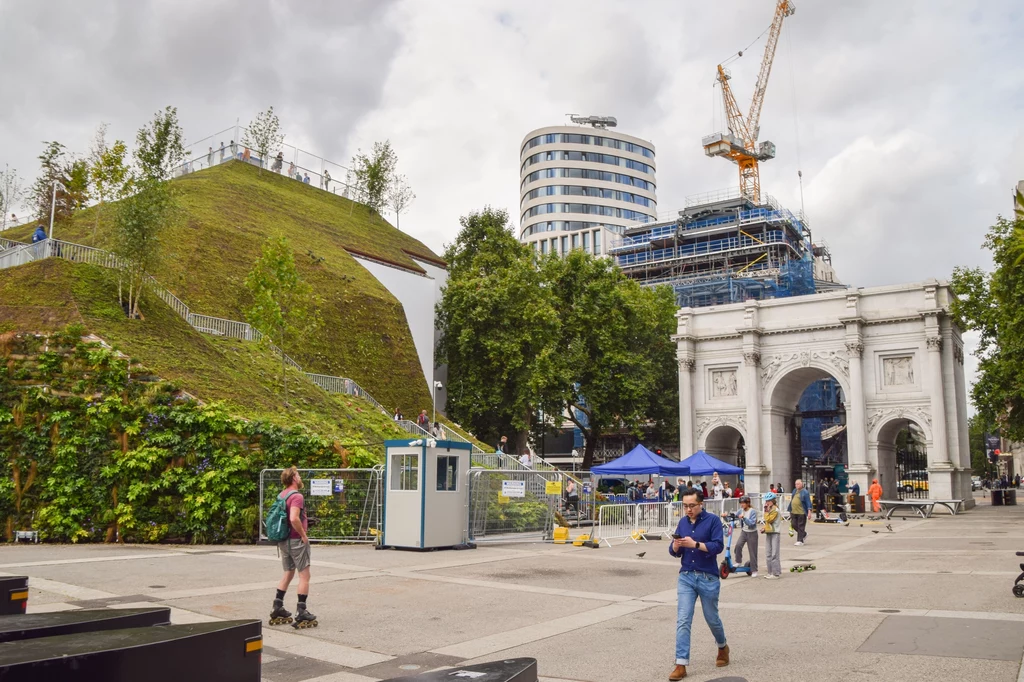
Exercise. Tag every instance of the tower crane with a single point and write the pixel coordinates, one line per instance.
(740, 144)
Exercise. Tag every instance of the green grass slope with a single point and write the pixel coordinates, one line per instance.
(47, 295)
(228, 211)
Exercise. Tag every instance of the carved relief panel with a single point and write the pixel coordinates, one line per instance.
(898, 371)
(722, 383)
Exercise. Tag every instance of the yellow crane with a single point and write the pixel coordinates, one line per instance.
(740, 144)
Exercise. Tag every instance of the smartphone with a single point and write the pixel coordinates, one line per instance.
(676, 536)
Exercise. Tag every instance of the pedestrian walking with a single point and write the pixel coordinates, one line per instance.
(294, 552)
(502, 444)
(820, 493)
(423, 421)
(875, 493)
(697, 542)
(572, 496)
(748, 535)
(799, 510)
(772, 537)
(436, 431)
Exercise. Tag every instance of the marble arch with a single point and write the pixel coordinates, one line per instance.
(894, 350)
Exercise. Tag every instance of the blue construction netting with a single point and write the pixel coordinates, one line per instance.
(820, 396)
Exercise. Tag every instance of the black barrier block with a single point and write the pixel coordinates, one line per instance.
(509, 670)
(14, 594)
(226, 651)
(33, 625)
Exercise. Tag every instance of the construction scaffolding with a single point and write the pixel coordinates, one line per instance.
(724, 248)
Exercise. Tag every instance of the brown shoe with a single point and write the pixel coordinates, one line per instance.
(679, 673)
(723, 657)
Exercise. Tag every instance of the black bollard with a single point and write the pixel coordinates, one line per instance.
(34, 625)
(13, 595)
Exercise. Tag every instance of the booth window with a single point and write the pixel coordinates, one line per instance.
(447, 473)
(405, 472)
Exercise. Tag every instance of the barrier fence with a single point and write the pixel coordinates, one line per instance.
(342, 505)
(516, 505)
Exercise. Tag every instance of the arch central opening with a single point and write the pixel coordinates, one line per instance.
(808, 417)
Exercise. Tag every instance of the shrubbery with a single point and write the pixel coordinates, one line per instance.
(97, 449)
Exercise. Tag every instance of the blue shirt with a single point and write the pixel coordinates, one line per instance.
(707, 531)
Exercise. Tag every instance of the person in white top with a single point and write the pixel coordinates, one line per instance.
(727, 493)
(524, 459)
(717, 489)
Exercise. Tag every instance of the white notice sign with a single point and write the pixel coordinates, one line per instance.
(320, 486)
(513, 488)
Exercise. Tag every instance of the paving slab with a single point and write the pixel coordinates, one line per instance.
(949, 637)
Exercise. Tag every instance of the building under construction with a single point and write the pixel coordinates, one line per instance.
(724, 248)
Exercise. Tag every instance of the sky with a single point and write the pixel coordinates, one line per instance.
(904, 117)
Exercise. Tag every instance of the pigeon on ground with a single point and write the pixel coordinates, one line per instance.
(889, 527)
(874, 531)
(641, 555)
(862, 525)
(903, 518)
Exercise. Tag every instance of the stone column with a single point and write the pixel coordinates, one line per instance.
(940, 477)
(752, 387)
(686, 435)
(856, 420)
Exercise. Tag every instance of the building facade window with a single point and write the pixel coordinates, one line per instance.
(588, 209)
(581, 191)
(588, 174)
(565, 245)
(597, 242)
(589, 158)
(586, 241)
(596, 140)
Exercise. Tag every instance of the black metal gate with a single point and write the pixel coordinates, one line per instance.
(911, 466)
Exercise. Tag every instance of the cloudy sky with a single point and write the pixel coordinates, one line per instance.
(905, 117)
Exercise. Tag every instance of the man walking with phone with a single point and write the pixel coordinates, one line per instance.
(697, 542)
(294, 553)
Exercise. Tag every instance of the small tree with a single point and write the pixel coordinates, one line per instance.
(375, 174)
(77, 184)
(159, 146)
(10, 193)
(284, 307)
(107, 169)
(263, 134)
(400, 195)
(53, 165)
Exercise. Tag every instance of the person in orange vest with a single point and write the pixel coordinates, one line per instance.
(875, 493)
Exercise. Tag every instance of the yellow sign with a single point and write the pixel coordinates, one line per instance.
(553, 488)
(502, 499)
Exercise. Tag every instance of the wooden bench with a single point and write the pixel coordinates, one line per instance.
(954, 506)
(921, 507)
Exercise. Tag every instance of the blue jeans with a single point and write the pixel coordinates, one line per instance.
(693, 584)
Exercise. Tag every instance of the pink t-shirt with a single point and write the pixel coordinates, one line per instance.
(296, 500)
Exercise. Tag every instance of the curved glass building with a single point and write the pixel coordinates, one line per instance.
(580, 186)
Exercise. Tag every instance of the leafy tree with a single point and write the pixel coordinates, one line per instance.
(976, 430)
(53, 169)
(10, 193)
(496, 321)
(159, 147)
(284, 307)
(263, 134)
(992, 303)
(149, 203)
(107, 169)
(375, 174)
(77, 184)
(615, 364)
(400, 196)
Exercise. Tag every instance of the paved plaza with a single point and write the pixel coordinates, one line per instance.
(928, 600)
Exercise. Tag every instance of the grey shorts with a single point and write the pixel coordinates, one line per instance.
(294, 554)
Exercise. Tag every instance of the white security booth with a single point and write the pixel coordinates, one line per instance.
(426, 498)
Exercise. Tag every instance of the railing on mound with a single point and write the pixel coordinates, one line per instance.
(14, 253)
(342, 505)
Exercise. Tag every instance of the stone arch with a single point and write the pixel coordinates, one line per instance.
(883, 428)
(783, 386)
(725, 442)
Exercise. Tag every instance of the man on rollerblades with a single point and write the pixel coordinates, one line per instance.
(294, 554)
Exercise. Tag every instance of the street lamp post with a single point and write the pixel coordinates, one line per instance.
(53, 204)
(437, 387)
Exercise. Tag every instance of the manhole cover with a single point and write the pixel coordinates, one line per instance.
(157, 587)
(409, 666)
(888, 610)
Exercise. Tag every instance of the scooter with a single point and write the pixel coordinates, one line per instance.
(1018, 589)
(728, 566)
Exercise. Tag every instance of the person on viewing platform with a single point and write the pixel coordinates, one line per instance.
(436, 431)
(875, 493)
(327, 180)
(209, 157)
(799, 511)
(698, 540)
(39, 235)
(278, 162)
(222, 148)
(717, 489)
(246, 154)
(234, 149)
(291, 170)
(305, 178)
(423, 421)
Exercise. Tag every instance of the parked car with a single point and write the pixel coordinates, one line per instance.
(975, 483)
(914, 480)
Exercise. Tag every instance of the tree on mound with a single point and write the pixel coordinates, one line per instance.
(148, 204)
(284, 307)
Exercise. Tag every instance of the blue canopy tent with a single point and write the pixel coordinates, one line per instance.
(640, 460)
(703, 464)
